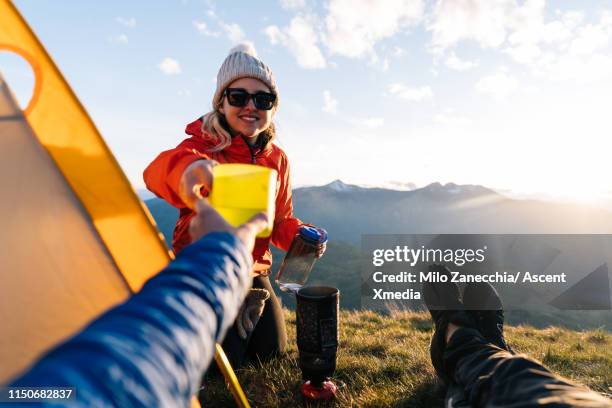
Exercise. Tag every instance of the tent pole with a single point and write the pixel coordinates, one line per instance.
(230, 377)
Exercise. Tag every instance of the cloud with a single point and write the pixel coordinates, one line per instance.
(275, 36)
(530, 33)
(170, 66)
(385, 65)
(448, 117)
(127, 22)
(499, 85)
(293, 4)
(457, 64)
(232, 31)
(591, 39)
(353, 27)
(483, 21)
(373, 123)
(491, 23)
(119, 39)
(349, 28)
(398, 52)
(597, 67)
(202, 28)
(563, 45)
(330, 105)
(417, 94)
(300, 39)
(524, 53)
(397, 185)
(566, 48)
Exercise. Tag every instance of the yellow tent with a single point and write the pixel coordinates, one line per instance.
(76, 239)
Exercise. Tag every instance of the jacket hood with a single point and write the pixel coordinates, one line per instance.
(239, 145)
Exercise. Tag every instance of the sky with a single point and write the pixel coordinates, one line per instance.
(512, 95)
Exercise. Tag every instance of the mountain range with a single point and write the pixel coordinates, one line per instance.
(348, 211)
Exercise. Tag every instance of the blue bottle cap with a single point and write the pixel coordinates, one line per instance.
(313, 235)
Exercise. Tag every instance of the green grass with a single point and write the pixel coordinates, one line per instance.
(383, 361)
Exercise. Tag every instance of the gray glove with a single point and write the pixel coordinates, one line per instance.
(251, 311)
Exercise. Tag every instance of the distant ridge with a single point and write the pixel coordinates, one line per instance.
(347, 211)
(435, 187)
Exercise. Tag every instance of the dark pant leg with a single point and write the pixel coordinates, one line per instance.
(270, 335)
(492, 377)
(269, 338)
(235, 347)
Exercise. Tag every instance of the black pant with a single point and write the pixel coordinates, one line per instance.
(488, 376)
(268, 339)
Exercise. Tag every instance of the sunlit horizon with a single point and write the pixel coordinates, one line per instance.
(595, 198)
(513, 97)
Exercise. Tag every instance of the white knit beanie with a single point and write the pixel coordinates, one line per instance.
(242, 62)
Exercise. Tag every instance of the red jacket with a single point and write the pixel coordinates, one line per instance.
(162, 177)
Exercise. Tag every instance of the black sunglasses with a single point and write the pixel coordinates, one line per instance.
(240, 98)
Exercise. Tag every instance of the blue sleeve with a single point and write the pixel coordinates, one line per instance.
(152, 350)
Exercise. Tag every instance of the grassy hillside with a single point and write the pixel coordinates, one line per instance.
(341, 267)
(384, 362)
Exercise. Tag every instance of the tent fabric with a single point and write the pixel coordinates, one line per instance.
(64, 128)
(56, 272)
(75, 239)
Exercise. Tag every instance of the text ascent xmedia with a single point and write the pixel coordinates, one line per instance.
(456, 277)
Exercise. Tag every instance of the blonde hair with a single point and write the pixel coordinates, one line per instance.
(213, 130)
(216, 129)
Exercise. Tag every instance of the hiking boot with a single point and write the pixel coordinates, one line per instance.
(442, 301)
(482, 301)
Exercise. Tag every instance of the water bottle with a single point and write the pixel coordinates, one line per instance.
(300, 258)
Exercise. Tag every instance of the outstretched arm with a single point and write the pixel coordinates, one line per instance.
(153, 349)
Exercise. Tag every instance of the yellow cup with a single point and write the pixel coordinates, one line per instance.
(240, 191)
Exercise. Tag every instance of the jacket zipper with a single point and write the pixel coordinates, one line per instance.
(253, 154)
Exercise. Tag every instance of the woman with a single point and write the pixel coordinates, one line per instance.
(239, 129)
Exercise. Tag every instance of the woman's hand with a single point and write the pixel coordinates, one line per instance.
(321, 250)
(196, 176)
(322, 236)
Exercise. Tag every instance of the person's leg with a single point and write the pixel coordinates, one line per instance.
(269, 337)
(484, 304)
(492, 377)
(443, 302)
(235, 349)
